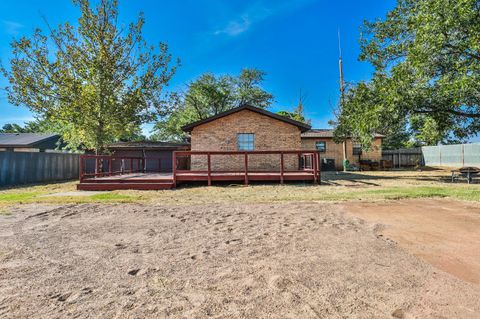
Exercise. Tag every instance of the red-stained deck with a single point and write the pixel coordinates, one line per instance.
(133, 173)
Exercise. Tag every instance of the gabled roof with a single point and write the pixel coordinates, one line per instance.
(325, 133)
(28, 140)
(302, 126)
(157, 145)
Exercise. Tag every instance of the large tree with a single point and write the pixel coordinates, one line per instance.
(427, 59)
(98, 80)
(210, 95)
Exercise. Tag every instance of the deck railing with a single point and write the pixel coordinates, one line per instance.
(244, 166)
(309, 162)
(92, 166)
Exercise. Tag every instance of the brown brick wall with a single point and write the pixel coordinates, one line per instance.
(221, 135)
(335, 151)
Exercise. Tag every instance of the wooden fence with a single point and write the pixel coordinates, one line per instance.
(405, 157)
(36, 167)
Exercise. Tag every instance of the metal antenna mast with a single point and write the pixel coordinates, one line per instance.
(342, 98)
(340, 66)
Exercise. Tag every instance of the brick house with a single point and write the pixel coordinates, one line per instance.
(331, 153)
(247, 128)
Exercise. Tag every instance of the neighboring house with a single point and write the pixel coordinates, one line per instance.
(248, 128)
(27, 158)
(28, 142)
(331, 153)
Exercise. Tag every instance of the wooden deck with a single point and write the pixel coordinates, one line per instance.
(134, 177)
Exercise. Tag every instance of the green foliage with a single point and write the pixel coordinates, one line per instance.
(15, 128)
(293, 115)
(96, 82)
(210, 95)
(298, 113)
(37, 126)
(427, 59)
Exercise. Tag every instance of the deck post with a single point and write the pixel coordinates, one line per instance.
(209, 169)
(159, 164)
(81, 168)
(281, 168)
(174, 169)
(131, 165)
(314, 164)
(319, 168)
(96, 166)
(246, 169)
(110, 166)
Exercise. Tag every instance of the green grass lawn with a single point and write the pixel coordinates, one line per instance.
(368, 187)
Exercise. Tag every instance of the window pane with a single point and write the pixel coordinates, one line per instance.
(245, 141)
(321, 146)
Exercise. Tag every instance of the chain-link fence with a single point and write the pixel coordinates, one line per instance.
(457, 155)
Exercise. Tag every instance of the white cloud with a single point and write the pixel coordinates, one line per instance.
(236, 27)
(12, 27)
(257, 12)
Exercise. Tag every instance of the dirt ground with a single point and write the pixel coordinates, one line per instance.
(446, 233)
(291, 260)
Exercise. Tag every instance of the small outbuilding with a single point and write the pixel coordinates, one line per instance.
(157, 155)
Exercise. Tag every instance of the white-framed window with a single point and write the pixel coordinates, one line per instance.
(245, 141)
(321, 146)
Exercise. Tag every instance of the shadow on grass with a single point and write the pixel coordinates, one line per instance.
(331, 178)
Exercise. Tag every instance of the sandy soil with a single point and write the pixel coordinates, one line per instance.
(446, 233)
(215, 261)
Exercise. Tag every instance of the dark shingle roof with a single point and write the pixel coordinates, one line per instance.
(30, 140)
(318, 133)
(325, 133)
(302, 126)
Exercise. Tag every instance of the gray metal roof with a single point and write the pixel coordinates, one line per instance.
(25, 139)
(325, 133)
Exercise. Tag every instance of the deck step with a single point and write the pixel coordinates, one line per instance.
(129, 181)
(119, 186)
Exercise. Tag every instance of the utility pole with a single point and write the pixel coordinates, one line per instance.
(342, 98)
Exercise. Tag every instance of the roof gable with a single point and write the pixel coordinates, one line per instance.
(302, 126)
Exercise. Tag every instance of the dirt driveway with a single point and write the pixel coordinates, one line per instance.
(444, 232)
(215, 261)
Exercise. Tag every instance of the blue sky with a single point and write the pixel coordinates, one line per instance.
(295, 42)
